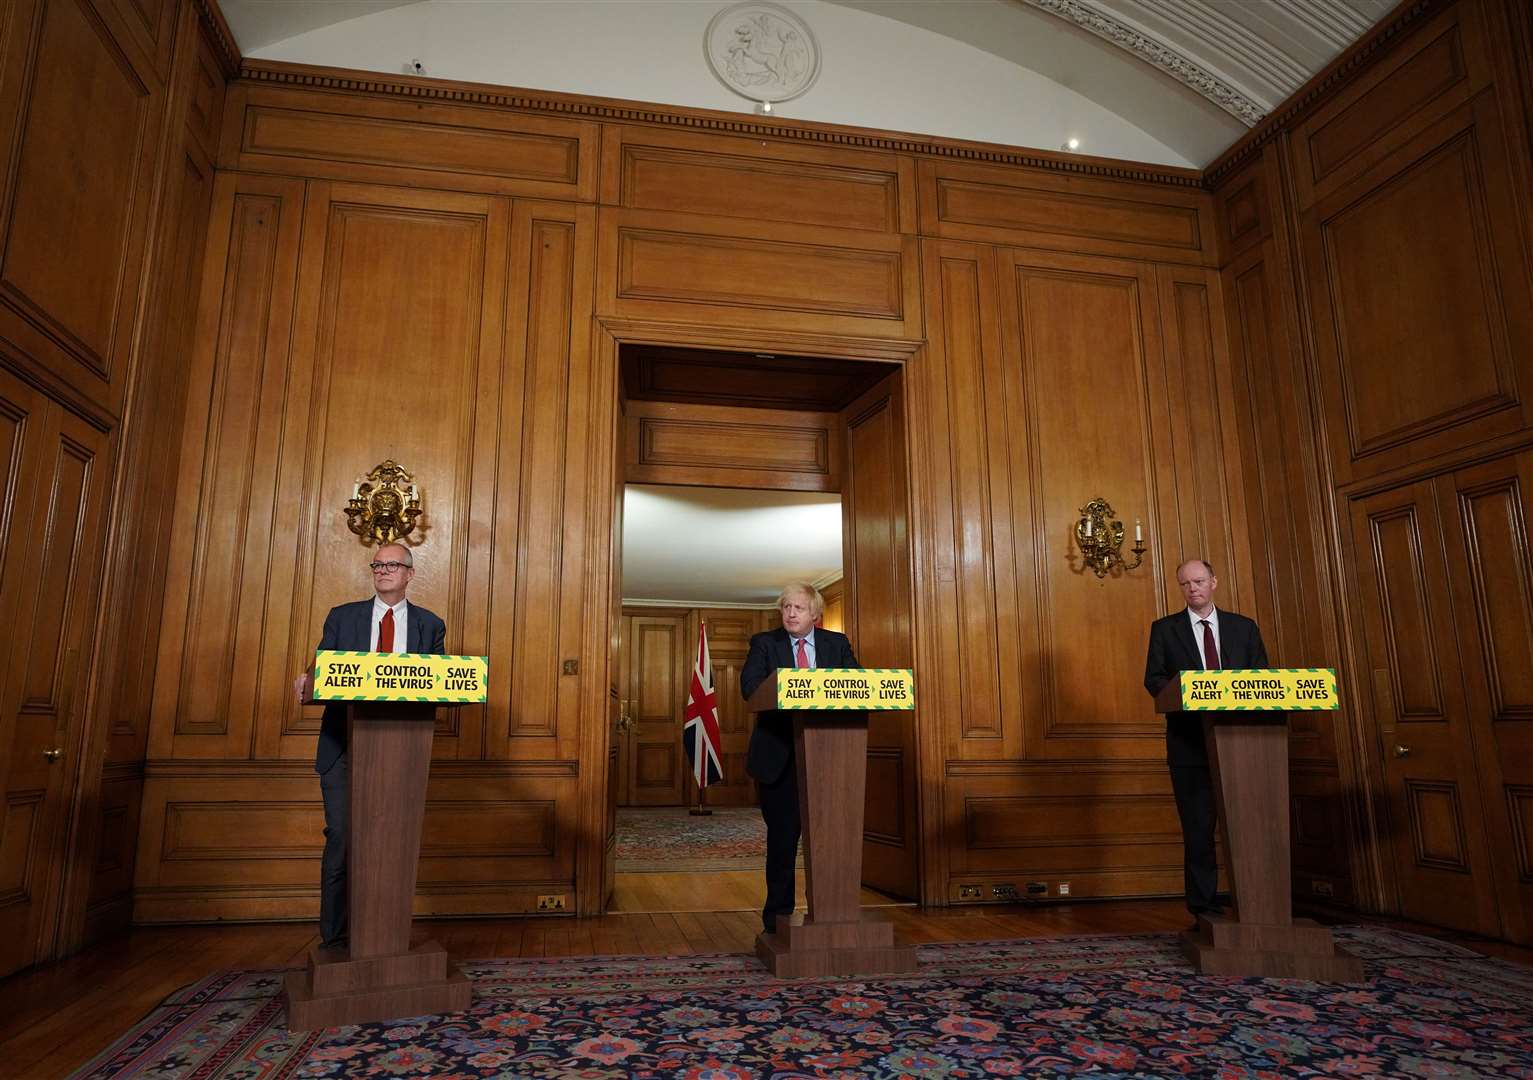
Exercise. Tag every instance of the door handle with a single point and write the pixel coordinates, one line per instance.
(1402, 751)
(54, 754)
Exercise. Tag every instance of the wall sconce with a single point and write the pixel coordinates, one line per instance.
(384, 505)
(1100, 537)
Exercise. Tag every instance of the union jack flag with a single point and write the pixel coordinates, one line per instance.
(700, 735)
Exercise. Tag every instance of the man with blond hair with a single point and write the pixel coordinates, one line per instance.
(770, 759)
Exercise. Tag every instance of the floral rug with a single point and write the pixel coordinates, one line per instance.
(669, 839)
(1105, 1005)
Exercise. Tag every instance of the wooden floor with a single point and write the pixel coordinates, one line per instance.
(55, 1018)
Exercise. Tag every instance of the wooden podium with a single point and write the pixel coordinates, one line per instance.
(380, 977)
(1248, 757)
(835, 937)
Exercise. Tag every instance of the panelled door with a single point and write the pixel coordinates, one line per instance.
(1485, 510)
(876, 542)
(650, 760)
(53, 475)
(1411, 599)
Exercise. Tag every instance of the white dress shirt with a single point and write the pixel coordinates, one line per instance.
(401, 624)
(1197, 633)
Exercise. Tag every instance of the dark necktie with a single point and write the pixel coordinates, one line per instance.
(386, 632)
(1210, 650)
(803, 657)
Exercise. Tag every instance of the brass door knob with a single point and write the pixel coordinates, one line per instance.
(1402, 751)
(54, 754)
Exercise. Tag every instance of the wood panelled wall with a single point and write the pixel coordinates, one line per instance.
(1380, 306)
(1309, 364)
(447, 282)
(110, 114)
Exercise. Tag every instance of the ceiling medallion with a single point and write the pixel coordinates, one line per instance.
(762, 52)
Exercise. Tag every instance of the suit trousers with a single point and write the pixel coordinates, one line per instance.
(1193, 787)
(779, 809)
(335, 787)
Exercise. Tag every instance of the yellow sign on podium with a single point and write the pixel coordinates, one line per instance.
(373, 676)
(1250, 689)
(846, 688)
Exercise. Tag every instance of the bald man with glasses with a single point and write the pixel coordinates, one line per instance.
(386, 623)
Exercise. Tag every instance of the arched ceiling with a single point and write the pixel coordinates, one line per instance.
(1193, 74)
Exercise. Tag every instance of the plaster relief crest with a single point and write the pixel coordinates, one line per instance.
(762, 52)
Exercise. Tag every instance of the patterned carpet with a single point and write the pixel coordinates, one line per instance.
(669, 839)
(1106, 1005)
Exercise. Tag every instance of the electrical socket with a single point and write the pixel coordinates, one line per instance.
(1003, 892)
(970, 892)
(551, 903)
(1037, 888)
(1064, 888)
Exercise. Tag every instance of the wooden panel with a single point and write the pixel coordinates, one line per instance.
(148, 26)
(358, 137)
(1086, 337)
(689, 269)
(876, 540)
(1487, 509)
(1105, 831)
(972, 391)
(533, 485)
(1437, 827)
(243, 842)
(656, 659)
(738, 448)
(48, 598)
(1012, 206)
(242, 367)
(646, 169)
(747, 380)
(1433, 72)
(1387, 331)
(116, 837)
(74, 316)
(205, 97)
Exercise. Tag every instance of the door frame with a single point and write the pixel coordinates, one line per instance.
(603, 605)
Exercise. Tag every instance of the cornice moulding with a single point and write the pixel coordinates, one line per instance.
(631, 112)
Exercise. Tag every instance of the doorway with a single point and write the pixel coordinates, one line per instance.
(753, 435)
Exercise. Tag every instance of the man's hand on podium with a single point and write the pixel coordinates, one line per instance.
(303, 686)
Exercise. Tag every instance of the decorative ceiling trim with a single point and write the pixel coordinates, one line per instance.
(1362, 52)
(1245, 109)
(612, 109)
(218, 32)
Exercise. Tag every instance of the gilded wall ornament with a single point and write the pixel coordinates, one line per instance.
(384, 505)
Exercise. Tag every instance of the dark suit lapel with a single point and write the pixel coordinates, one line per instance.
(362, 626)
(415, 624)
(1193, 658)
(782, 652)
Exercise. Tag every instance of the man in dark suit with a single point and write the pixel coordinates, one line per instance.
(770, 758)
(1198, 638)
(386, 623)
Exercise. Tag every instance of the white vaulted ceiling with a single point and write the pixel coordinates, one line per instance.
(1187, 75)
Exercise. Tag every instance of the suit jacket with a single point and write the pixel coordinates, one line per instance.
(350, 627)
(771, 745)
(1174, 649)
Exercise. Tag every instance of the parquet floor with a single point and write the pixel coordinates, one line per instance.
(55, 1018)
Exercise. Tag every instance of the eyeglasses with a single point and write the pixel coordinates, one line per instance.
(388, 567)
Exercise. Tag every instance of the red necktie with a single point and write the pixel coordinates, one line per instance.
(386, 632)
(1210, 650)
(803, 658)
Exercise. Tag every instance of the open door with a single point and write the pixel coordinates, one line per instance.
(876, 539)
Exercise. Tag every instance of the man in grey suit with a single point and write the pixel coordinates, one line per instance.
(386, 623)
(1200, 637)
(769, 758)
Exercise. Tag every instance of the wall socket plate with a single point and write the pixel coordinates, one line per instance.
(551, 903)
(1064, 888)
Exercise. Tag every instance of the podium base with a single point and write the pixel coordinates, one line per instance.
(1301, 950)
(809, 949)
(335, 990)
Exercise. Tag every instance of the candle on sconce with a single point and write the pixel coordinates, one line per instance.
(1088, 526)
(356, 490)
(1138, 531)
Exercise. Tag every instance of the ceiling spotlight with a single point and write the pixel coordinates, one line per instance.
(1072, 143)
